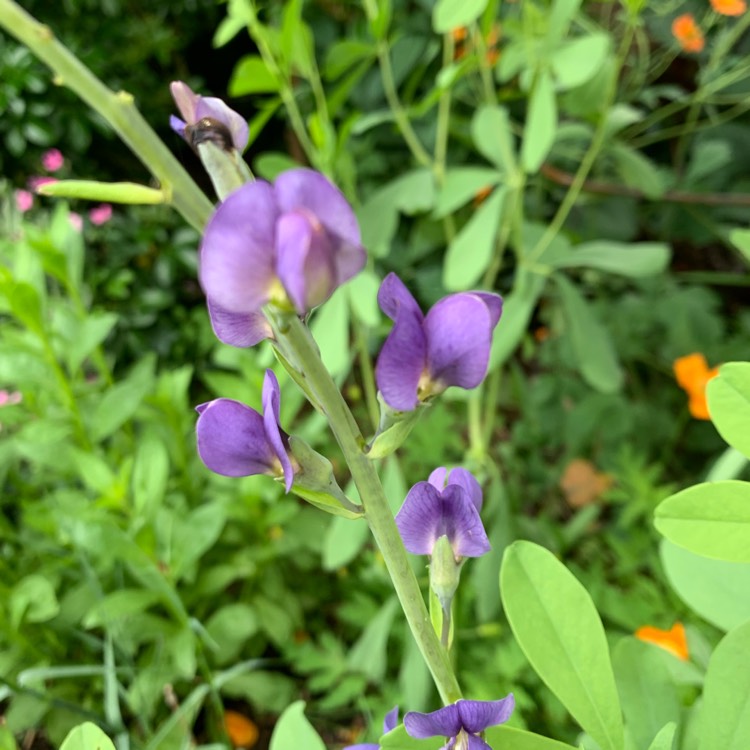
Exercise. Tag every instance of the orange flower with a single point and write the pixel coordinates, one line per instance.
(459, 33)
(729, 7)
(687, 33)
(242, 732)
(692, 375)
(673, 640)
(582, 484)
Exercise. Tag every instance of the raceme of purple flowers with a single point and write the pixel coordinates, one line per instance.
(237, 441)
(461, 722)
(444, 508)
(194, 108)
(425, 354)
(292, 243)
(389, 723)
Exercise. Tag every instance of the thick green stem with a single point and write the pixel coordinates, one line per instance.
(299, 342)
(117, 109)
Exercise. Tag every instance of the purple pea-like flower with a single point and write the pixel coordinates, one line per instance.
(292, 243)
(432, 510)
(209, 109)
(461, 722)
(237, 441)
(389, 723)
(425, 354)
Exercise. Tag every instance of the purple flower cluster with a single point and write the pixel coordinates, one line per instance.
(424, 354)
(446, 505)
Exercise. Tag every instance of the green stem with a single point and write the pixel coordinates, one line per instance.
(296, 337)
(117, 109)
(368, 374)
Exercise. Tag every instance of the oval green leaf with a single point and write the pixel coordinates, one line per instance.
(558, 628)
(715, 589)
(595, 355)
(294, 730)
(87, 736)
(519, 739)
(725, 716)
(541, 124)
(729, 404)
(711, 519)
(633, 259)
(451, 14)
(578, 60)
(490, 130)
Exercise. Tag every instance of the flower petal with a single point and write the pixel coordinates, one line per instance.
(307, 189)
(459, 334)
(420, 519)
(271, 419)
(465, 479)
(438, 477)
(391, 720)
(402, 359)
(394, 297)
(476, 716)
(366, 746)
(445, 722)
(185, 99)
(211, 106)
(177, 125)
(232, 439)
(238, 329)
(305, 263)
(237, 261)
(462, 524)
(494, 304)
(476, 743)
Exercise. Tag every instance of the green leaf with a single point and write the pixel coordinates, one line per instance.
(368, 654)
(194, 535)
(87, 736)
(398, 739)
(711, 519)
(715, 589)
(664, 740)
(471, 250)
(633, 259)
(343, 541)
(519, 739)
(33, 599)
(251, 76)
(578, 60)
(557, 627)
(461, 185)
(725, 715)
(740, 238)
(490, 130)
(541, 124)
(637, 171)
(451, 14)
(345, 54)
(270, 164)
(729, 404)
(7, 740)
(119, 604)
(561, 15)
(293, 730)
(330, 328)
(120, 402)
(594, 353)
(111, 192)
(150, 474)
(647, 691)
(518, 308)
(363, 297)
(230, 627)
(89, 334)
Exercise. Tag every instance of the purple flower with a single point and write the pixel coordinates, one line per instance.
(292, 243)
(461, 722)
(432, 510)
(389, 723)
(424, 354)
(236, 441)
(207, 112)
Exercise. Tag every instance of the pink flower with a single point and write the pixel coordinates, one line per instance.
(36, 182)
(24, 200)
(76, 221)
(101, 214)
(52, 160)
(10, 398)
